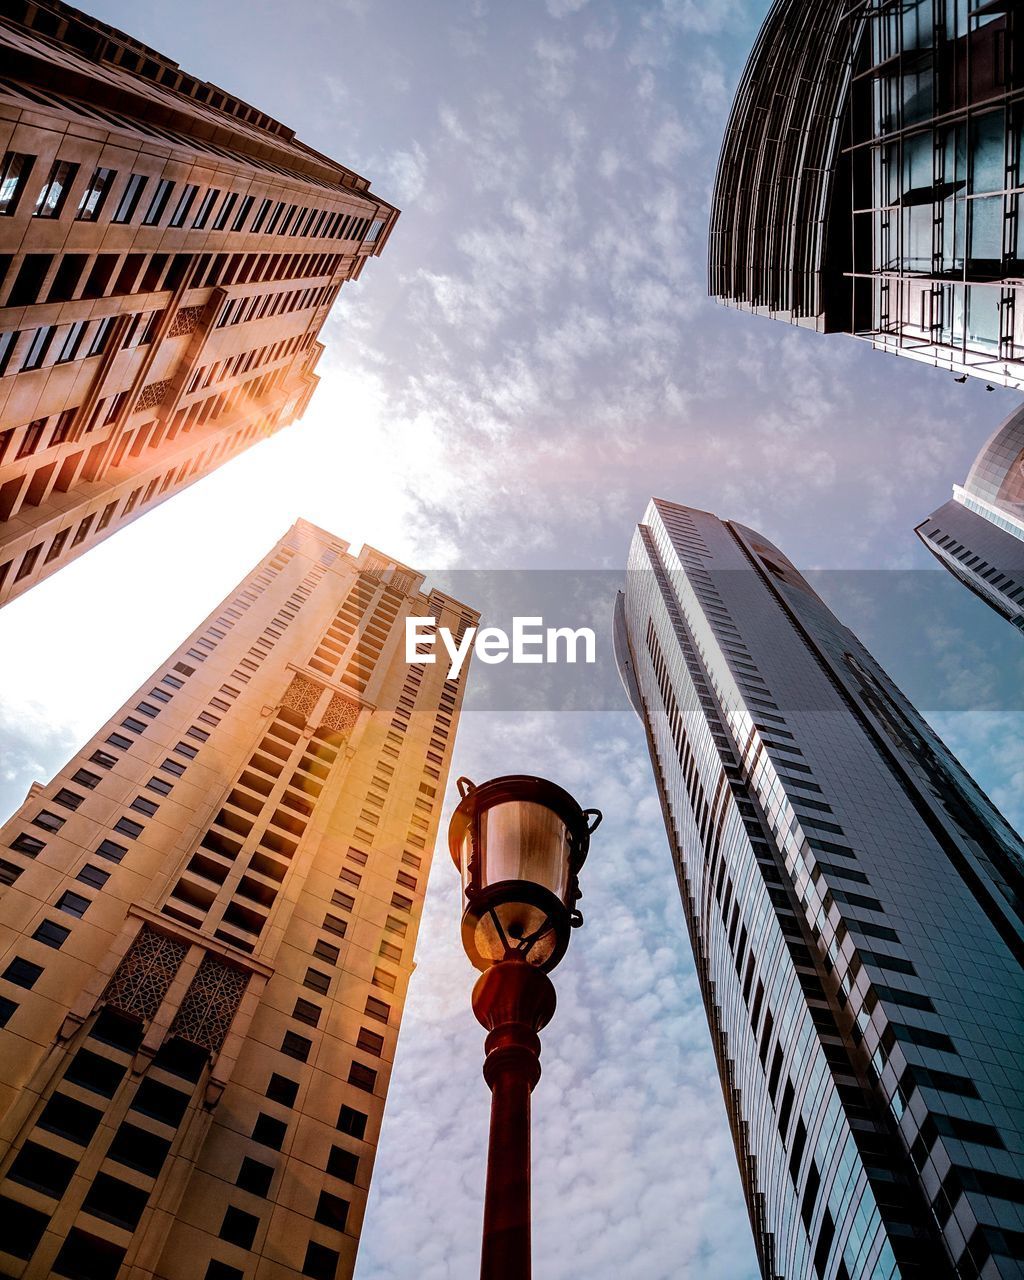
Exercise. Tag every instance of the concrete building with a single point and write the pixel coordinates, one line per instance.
(208, 931)
(168, 255)
(853, 902)
(870, 179)
(979, 534)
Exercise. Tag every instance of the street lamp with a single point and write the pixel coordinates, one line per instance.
(519, 843)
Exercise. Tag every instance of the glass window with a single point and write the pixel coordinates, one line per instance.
(38, 347)
(988, 152)
(72, 341)
(130, 198)
(157, 206)
(207, 204)
(13, 176)
(224, 212)
(185, 201)
(50, 201)
(95, 194)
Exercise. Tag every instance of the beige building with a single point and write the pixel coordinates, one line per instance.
(208, 930)
(168, 255)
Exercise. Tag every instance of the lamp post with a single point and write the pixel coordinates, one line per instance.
(519, 843)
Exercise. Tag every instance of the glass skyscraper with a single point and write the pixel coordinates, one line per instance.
(979, 534)
(870, 179)
(853, 901)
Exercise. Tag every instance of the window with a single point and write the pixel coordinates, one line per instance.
(352, 1122)
(157, 206)
(23, 973)
(160, 785)
(281, 1089)
(269, 1132)
(13, 176)
(255, 1177)
(69, 799)
(207, 203)
(160, 1102)
(47, 1171)
(342, 1164)
(243, 213)
(39, 346)
(98, 1075)
(173, 766)
(93, 876)
(51, 934)
(370, 1042)
(335, 925)
(7, 1010)
(130, 198)
(308, 1012)
(224, 212)
(138, 1149)
(115, 1201)
(48, 821)
(142, 805)
(332, 1211)
(69, 348)
(86, 778)
(50, 202)
(30, 845)
(73, 903)
(323, 950)
(381, 978)
(362, 1077)
(185, 201)
(343, 900)
(95, 194)
(9, 871)
(239, 1227)
(221, 1271)
(119, 740)
(101, 336)
(136, 726)
(108, 849)
(70, 1119)
(320, 1263)
(377, 1009)
(296, 1046)
(129, 828)
(317, 981)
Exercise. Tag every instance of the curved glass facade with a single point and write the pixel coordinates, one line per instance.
(883, 198)
(979, 535)
(822, 835)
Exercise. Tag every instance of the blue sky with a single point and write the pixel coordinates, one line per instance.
(532, 358)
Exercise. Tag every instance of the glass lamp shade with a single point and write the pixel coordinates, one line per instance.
(519, 843)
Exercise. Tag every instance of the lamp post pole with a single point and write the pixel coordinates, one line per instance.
(519, 843)
(513, 1001)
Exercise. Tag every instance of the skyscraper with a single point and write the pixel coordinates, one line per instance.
(854, 907)
(208, 931)
(979, 534)
(870, 176)
(168, 255)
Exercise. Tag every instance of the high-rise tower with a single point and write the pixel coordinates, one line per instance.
(870, 179)
(208, 931)
(979, 534)
(168, 256)
(854, 904)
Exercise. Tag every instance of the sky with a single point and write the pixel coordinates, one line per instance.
(533, 356)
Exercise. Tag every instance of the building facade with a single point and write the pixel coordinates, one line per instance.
(168, 255)
(854, 907)
(207, 934)
(870, 179)
(979, 534)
